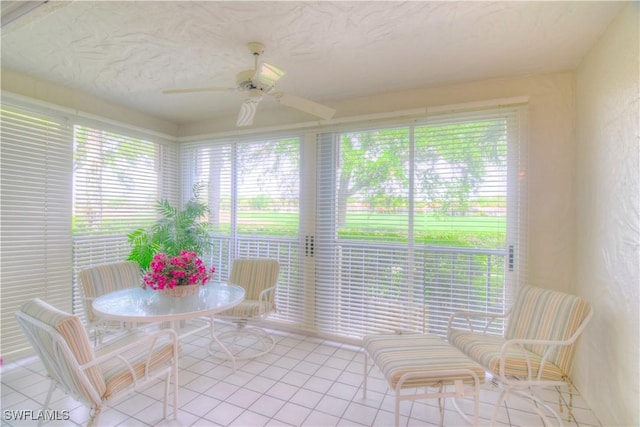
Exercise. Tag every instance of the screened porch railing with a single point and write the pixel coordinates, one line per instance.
(442, 280)
(434, 281)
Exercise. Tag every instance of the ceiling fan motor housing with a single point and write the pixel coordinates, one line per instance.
(244, 80)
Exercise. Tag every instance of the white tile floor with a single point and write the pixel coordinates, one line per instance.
(304, 381)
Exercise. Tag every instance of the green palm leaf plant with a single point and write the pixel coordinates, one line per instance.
(176, 230)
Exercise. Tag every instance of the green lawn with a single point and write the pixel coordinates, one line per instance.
(478, 231)
(426, 222)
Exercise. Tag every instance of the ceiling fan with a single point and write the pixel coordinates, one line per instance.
(259, 82)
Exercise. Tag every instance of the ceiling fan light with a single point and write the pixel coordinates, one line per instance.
(268, 74)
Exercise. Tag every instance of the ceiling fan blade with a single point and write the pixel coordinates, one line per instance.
(199, 89)
(268, 74)
(304, 105)
(248, 111)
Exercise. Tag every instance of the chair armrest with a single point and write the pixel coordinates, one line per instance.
(518, 345)
(551, 346)
(266, 299)
(469, 315)
(143, 346)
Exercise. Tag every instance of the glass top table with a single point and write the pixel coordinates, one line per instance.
(147, 305)
(137, 305)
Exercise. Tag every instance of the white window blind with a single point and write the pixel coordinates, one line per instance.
(118, 179)
(36, 176)
(209, 166)
(417, 221)
(253, 194)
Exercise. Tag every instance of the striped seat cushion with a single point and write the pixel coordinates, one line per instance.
(486, 350)
(537, 314)
(396, 355)
(254, 275)
(105, 278)
(73, 333)
(245, 309)
(543, 314)
(117, 376)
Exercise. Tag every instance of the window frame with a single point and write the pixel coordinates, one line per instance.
(513, 252)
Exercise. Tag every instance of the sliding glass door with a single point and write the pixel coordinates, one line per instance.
(252, 188)
(378, 228)
(413, 222)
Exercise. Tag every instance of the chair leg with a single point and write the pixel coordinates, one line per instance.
(175, 389)
(47, 401)
(166, 395)
(94, 415)
(570, 405)
(441, 403)
(538, 404)
(501, 398)
(397, 411)
(365, 375)
(216, 340)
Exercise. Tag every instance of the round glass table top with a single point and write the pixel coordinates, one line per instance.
(147, 305)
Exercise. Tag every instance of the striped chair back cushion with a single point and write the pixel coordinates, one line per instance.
(72, 331)
(543, 314)
(102, 279)
(254, 275)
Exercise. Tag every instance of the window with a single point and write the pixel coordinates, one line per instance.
(377, 227)
(417, 221)
(70, 194)
(35, 162)
(118, 179)
(253, 193)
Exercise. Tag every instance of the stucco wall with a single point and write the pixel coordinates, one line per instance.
(608, 221)
(30, 87)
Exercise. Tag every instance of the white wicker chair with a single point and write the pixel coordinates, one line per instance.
(102, 377)
(536, 350)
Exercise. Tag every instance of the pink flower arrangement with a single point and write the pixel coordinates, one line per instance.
(168, 272)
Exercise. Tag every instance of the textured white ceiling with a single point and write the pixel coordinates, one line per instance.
(127, 52)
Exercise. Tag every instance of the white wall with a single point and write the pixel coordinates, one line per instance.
(30, 87)
(608, 221)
